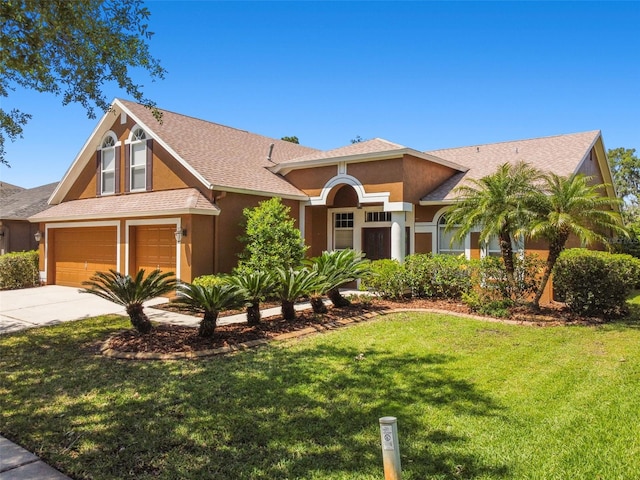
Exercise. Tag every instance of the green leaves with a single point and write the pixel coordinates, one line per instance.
(271, 239)
(130, 292)
(72, 49)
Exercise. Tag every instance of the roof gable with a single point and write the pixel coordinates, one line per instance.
(220, 157)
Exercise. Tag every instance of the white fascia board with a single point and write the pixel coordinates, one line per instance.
(259, 193)
(285, 168)
(76, 168)
(150, 213)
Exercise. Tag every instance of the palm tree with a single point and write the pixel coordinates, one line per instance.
(572, 205)
(497, 205)
(339, 267)
(253, 287)
(131, 293)
(210, 300)
(292, 284)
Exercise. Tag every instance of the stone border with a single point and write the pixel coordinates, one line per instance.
(111, 353)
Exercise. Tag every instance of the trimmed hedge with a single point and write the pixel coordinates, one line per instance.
(19, 270)
(422, 275)
(595, 283)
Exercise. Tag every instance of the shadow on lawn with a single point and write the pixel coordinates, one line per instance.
(272, 413)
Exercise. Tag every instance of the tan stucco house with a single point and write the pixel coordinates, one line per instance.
(170, 195)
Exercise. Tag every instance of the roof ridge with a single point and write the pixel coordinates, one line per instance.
(516, 140)
(215, 123)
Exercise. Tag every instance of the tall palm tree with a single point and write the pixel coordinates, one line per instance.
(253, 287)
(572, 205)
(497, 205)
(210, 300)
(130, 292)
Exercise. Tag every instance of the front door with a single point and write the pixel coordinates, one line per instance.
(376, 243)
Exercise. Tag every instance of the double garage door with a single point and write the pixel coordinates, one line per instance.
(80, 252)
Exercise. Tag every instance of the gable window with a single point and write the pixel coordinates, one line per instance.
(342, 230)
(138, 167)
(108, 166)
(445, 244)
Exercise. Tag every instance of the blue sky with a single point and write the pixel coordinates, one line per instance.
(427, 75)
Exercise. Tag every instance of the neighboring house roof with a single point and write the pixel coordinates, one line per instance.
(369, 150)
(26, 202)
(561, 154)
(7, 190)
(162, 202)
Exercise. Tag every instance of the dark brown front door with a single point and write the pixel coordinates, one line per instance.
(376, 243)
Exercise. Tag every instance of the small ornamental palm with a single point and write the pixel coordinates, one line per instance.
(337, 268)
(292, 284)
(130, 292)
(210, 300)
(253, 287)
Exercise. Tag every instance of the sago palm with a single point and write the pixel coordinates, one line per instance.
(253, 287)
(130, 292)
(209, 300)
(337, 268)
(292, 284)
(497, 205)
(572, 206)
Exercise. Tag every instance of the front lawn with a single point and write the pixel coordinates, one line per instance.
(473, 400)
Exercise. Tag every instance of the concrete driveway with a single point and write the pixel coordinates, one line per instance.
(41, 306)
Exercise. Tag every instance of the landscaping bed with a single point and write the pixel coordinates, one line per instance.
(168, 339)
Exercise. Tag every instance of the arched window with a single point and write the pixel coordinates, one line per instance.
(445, 244)
(108, 165)
(138, 162)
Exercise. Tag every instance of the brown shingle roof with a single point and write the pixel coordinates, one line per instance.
(375, 145)
(226, 157)
(26, 202)
(186, 200)
(560, 154)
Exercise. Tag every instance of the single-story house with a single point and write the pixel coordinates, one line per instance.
(17, 234)
(170, 195)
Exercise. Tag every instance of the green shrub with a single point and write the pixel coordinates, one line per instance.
(439, 276)
(528, 270)
(482, 302)
(208, 281)
(19, 270)
(594, 283)
(387, 279)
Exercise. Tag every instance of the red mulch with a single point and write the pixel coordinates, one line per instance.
(166, 338)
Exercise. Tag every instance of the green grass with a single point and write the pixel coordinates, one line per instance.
(473, 400)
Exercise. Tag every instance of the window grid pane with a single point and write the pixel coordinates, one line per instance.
(343, 220)
(378, 217)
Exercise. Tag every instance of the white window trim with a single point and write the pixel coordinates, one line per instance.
(130, 142)
(116, 143)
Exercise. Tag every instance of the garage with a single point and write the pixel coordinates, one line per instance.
(155, 248)
(80, 252)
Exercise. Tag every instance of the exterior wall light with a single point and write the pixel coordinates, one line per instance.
(37, 236)
(179, 233)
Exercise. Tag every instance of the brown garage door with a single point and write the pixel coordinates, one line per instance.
(155, 248)
(80, 252)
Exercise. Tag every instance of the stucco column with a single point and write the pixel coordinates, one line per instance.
(398, 236)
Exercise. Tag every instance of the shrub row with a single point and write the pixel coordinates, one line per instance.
(590, 282)
(19, 270)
